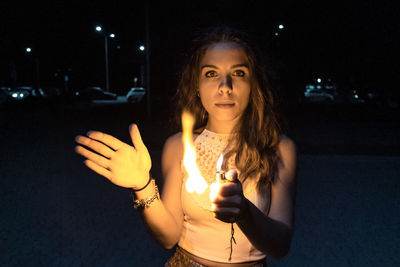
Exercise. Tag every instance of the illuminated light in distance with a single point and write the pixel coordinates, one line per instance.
(99, 29)
(281, 26)
(319, 80)
(112, 35)
(28, 49)
(142, 48)
(310, 87)
(276, 34)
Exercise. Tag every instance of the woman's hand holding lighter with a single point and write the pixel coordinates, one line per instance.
(227, 197)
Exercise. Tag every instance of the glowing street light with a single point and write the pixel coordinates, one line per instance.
(35, 58)
(142, 49)
(98, 28)
(280, 29)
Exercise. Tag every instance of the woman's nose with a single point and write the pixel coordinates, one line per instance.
(225, 85)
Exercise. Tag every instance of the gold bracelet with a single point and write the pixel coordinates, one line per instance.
(145, 203)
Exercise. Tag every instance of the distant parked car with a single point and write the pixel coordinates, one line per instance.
(135, 94)
(94, 93)
(51, 95)
(320, 91)
(23, 94)
(319, 96)
(50, 92)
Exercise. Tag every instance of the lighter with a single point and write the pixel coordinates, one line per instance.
(220, 174)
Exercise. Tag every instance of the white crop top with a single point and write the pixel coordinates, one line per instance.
(203, 235)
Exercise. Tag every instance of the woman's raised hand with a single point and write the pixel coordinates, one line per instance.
(124, 165)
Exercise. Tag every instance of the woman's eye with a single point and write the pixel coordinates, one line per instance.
(211, 74)
(239, 73)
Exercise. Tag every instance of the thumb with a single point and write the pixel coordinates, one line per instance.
(231, 175)
(135, 136)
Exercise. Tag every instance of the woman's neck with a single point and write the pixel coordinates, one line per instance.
(220, 127)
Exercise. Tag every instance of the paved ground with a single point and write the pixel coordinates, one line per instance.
(56, 212)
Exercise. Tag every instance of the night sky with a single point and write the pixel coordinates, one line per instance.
(354, 42)
(56, 212)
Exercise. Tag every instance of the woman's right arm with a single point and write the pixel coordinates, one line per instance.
(165, 218)
(128, 166)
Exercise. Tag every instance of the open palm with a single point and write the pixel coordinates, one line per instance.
(124, 165)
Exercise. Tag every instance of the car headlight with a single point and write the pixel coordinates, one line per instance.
(19, 95)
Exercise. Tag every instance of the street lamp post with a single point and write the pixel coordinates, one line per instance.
(143, 72)
(106, 54)
(106, 35)
(36, 62)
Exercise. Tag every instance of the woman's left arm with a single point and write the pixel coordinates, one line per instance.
(272, 233)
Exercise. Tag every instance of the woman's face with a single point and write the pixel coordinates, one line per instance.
(224, 84)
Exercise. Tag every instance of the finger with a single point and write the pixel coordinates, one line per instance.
(136, 137)
(95, 146)
(99, 160)
(107, 139)
(229, 218)
(232, 175)
(232, 201)
(230, 189)
(226, 212)
(99, 170)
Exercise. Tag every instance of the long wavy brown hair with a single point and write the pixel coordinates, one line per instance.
(258, 132)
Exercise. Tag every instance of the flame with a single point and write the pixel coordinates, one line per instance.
(219, 162)
(214, 187)
(195, 181)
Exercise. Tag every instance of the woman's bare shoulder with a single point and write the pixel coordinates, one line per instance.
(172, 153)
(174, 138)
(288, 158)
(286, 145)
(174, 142)
(286, 142)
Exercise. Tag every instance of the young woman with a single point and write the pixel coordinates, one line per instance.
(225, 86)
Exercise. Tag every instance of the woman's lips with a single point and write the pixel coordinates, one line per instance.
(225, 105)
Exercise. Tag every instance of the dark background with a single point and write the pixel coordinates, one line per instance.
(354, 42)
(56, 212)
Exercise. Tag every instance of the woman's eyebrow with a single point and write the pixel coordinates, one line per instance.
(240, 65)
(208, 66)
(245, 65)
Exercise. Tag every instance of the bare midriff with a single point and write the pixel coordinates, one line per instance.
(218, 264)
